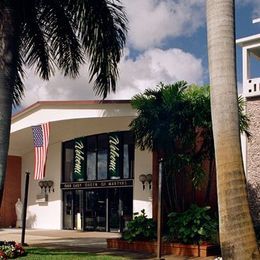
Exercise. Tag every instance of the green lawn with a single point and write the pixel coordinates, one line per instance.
(43, 253)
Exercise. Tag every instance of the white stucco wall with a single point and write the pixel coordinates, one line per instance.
(44, 215)
(142, 198)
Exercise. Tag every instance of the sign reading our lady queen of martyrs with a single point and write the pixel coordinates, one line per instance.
(97, 184)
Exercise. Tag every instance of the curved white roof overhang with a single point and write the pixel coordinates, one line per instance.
(68, 120)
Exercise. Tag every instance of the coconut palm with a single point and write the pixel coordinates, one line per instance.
(237, 236)
(49, 34)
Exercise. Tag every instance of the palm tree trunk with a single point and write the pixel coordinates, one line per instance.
(7, 49)
(237, 236)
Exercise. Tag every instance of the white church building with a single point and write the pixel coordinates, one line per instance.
(86, 193)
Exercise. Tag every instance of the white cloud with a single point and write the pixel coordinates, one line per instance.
(155, 66)
(146, 71)
(151, 22)
(57, 88)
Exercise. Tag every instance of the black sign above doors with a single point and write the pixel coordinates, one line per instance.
(97, 184)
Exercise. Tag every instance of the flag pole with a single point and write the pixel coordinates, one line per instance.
(26, 189)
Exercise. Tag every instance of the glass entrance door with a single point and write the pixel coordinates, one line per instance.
(98, 210)
(120, 209)
(114, 209)
(78, 209)
(67, 210)
(95, 210)
(127, 207)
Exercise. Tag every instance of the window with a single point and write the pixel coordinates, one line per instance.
(102, 157)
(128, 153)
(99, 157)
(68, 160)
(91, 158)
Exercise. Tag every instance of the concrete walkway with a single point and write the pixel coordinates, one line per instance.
(93, 242)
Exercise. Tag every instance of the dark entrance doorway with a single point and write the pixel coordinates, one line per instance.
(98, 209)
(95, 210)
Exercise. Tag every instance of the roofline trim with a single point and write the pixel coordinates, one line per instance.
(242, 41)
(69, 102)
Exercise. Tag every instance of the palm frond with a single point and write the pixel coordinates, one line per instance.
(35, 48)
(57, 22)
(18, 89)
(18, 74)
(243, 117)
(58, 32)
(102, 29)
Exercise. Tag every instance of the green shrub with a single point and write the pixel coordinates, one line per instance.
(140, 228)
(192, 226)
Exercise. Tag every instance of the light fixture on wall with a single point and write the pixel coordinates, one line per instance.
(143, 178)
(149, 178)
(46, 185)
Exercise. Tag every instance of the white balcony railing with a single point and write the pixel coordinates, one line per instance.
(252, 87)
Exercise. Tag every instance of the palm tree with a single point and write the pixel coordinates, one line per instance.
(237, 236)
(171, 120)
(167, 122)
(49, 34)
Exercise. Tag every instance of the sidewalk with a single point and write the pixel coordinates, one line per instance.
(93, 242)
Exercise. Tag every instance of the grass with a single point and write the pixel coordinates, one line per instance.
(43, 253)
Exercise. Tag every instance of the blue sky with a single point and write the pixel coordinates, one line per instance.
(166, 42)
(245, 27)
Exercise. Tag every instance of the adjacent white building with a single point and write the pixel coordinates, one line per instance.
(251, 91)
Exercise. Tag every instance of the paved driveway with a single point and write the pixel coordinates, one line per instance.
(94, 242)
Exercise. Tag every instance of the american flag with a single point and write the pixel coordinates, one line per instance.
(40, 142)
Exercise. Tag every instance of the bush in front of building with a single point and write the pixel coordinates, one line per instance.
(193, 226)
(140, 228)
(10, 249)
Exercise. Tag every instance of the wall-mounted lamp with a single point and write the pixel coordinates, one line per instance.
(46, 185)
(143, 178)
(149, 180)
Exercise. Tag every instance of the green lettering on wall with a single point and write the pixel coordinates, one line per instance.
(114, 156)
(79, 161)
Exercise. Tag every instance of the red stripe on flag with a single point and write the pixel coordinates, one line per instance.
(41, 142)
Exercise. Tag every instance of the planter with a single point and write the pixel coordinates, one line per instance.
(202, 250)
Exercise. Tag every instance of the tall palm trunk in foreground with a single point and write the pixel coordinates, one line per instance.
(237, 236)
(8, 45)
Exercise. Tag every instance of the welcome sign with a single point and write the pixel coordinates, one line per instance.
(79, 159)
(114, 151)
